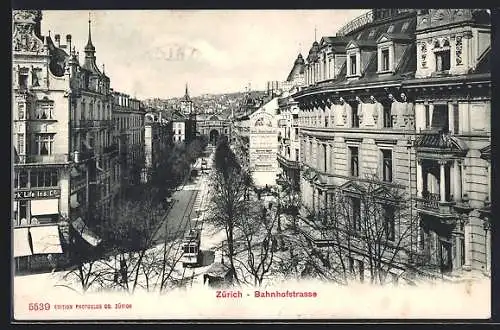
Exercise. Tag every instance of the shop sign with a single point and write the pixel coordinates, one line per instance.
(37, 194)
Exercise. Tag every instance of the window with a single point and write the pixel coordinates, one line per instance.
(23, 78)
(387, 115)
(356, 213)
(297, 154)
(390, 29)
(385, 59)
(42, 179)
(353, 64)
(387, 165)
(389, 223)
(442, 60)
(21, 110)
(355, 116)
(325, 158)
(23, 209)
(372, 33)
(456, 119)
(20, 143)
(44, 143)
(354, 166)
(44, 110)
(296, 133)
(427, 116)
(440, 117)
(421, 238)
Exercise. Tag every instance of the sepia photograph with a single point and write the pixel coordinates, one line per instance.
(251, 164)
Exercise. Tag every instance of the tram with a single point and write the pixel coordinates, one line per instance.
(191, 248)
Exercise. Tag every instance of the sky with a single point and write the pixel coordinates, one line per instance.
(154, 53)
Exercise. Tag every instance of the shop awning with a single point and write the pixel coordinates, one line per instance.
(21, 243)
(85, 232)
(46, 239)
(74, 201)
(44, 206)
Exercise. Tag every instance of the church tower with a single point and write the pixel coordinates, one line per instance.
(186, 103)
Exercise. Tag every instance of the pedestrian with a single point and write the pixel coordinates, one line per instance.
(52, 262)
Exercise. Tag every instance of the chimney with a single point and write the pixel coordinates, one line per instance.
(57, 38)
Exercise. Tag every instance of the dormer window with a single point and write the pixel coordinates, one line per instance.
(353, 64)
(442, 60)
(372, 33)
(385, 59)
(390, 29)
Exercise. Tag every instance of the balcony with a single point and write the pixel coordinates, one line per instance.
(439, 141)
(43, 159)
(356, 24)
(432, 204)
(288, 162)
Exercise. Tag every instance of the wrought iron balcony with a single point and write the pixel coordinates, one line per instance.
(431, 203)
(43, 159)
(356, 23)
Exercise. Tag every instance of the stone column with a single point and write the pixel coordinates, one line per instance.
(468, 245)
(457, 181)
(431, 110)
(420, 179)
(442, 181)
(487, 247)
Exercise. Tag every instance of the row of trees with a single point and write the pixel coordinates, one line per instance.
(370, 230)
(127, 258)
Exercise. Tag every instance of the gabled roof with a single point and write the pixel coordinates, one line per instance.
(486, 152)
(403, 37)
(352, 187)
(484, 64)
(363, 44)
(440, 140)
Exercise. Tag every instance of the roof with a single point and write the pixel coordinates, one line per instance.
(297, 69)
(58, 58)
(313, 52)
(484, 64)
(218, 270)
(440, 140)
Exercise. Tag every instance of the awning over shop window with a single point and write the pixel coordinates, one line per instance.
(46, 239)
(44, 206)
(74, 201)
(21, 243)
(85, 232)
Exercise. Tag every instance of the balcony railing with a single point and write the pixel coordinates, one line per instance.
(431, 202)
(356, 23)
(43, 159)
(85, 124)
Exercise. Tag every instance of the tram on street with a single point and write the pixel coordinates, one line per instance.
(191, 248)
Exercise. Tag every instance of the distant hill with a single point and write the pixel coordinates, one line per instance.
(208, 103)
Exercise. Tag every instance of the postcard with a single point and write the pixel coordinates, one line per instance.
(251, 164)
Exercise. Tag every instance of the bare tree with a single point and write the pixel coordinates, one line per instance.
(371, 224)
(229, 187)
(258, 234)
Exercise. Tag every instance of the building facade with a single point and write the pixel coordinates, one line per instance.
(128, 118)
(400, 101)
(213, 126)
(65, 161)
(157, 141)
(263, 144)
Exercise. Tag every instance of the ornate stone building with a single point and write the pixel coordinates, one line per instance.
(213, 126)
(65, 160)
(128, 118)
(400, 100)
